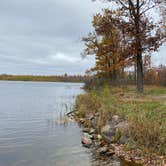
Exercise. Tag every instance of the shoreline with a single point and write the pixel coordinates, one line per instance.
(98, 138)
(101, 146)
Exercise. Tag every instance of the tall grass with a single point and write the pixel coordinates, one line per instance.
(145, 114)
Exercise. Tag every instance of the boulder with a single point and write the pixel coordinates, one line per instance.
(86, 140)
(108, 139)
(108, 130)
(105, 128)
(123, 139)
(123, 127)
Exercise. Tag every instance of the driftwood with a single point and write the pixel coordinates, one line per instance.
(69, 113)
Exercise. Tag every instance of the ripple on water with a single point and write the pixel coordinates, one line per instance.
(29, 134)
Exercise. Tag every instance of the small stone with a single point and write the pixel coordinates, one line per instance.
(76, 113)
(92, 131)
(103, 150)
(138, 158)
(99, 137)
(85, 130)
(82, 120)
(96, 114)
(91, 117)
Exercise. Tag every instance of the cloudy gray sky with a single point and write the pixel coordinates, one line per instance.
(44, 36)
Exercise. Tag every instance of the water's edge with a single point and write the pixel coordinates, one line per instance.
(30, 133)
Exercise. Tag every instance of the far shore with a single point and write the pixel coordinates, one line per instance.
(40, 78)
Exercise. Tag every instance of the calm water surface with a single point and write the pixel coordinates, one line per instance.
(29, 133)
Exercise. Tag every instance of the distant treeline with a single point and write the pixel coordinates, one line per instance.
(152, 76)
(56, 78)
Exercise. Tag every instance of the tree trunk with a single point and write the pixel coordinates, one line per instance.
(140, 88)
(135, 71)
(114, 77)
(139, 76)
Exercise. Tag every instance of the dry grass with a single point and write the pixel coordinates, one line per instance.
(146, 114)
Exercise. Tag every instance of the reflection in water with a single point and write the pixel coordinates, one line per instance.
(30, 134)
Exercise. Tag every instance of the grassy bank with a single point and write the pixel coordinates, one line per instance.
(145, 114)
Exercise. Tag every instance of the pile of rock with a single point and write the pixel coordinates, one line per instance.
(113, 132)
(95, 141)
(111, 140)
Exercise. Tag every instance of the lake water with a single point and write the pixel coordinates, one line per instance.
(29, 132)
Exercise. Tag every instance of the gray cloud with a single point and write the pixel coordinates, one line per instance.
(44, 36)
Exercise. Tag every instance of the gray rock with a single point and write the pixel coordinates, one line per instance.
(123, 139)
(91, 117)
(92, 131)
(105, 128)
(103, 150)
(86, 140)
(123, 127)
(108, 139)
(85, 130)
(97, 114)
(82, 120)
(108, 130)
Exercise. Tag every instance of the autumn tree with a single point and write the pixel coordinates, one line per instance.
(108, 44)
(163, 17)
(146, 35)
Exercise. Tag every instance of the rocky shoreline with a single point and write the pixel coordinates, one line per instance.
(110, 141)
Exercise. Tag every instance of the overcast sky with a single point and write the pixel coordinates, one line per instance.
(44, 36)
